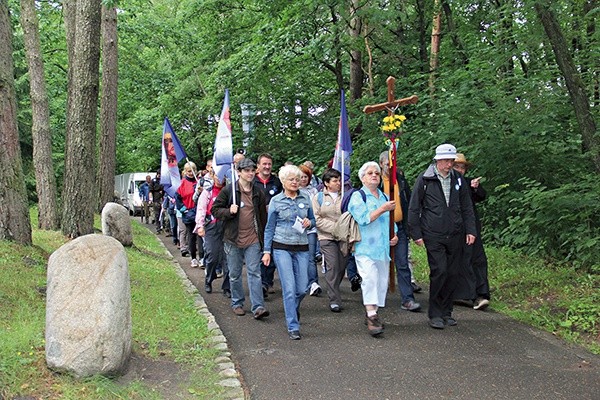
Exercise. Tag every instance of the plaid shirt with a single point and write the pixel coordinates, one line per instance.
(445, 184)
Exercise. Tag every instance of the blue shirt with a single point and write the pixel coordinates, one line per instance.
(282, 215)
(375, 236)
(145, 191)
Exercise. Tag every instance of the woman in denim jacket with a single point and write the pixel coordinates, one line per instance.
(290, 216)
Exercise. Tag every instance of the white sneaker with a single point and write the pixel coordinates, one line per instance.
(481, 304)
(194, 263)
(201, 263)
(315, 289)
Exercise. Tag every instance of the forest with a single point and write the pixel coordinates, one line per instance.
(513, 84)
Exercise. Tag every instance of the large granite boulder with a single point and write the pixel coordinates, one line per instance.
(88, 308)
(116, 223)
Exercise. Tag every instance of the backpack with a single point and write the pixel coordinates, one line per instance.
(345, 199)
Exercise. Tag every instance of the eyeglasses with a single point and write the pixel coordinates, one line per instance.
(373, 173)
(293, 179)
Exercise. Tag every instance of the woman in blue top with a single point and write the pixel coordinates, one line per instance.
(372, 253)
(290, 216)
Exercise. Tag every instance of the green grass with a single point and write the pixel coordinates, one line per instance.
(164, 320)
(551, 296)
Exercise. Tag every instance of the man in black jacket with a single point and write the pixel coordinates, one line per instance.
(441, 217)
(244, 219)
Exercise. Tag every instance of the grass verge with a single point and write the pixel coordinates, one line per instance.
(552, 296)
(166, 326)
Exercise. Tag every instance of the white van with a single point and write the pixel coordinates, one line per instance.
(127, 190)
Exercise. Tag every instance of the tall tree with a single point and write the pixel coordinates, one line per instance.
(108, 107)
(40, 129)
(14, 215)
(78, 193)
(435, 46)
(575, 86)
(357, 74)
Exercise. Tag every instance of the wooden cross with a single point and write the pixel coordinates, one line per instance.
(391, 105)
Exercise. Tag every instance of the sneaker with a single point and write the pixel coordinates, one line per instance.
(294, 335)
(227, 293)
(374, 326)
(355, 282)
(481, 304)
(194, 263)
(415, 287)
(315, 289)
(436, 323)
(219, 273)
(449, 321)
(260, 313)
(239, 311)
(271, 290)
(265, 292)
(335, 308)
(201, 263)
(185, 253)
(411, 305)
(208, 288)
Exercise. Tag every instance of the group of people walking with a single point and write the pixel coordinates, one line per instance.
(288, 221)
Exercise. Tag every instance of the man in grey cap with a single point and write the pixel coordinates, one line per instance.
(441, 217)
(244, 219)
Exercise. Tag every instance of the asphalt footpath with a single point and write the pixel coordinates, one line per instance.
(486, 356)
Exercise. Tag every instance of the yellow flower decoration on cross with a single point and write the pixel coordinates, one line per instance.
(393, 123)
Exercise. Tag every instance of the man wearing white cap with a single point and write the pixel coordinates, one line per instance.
(441, 217)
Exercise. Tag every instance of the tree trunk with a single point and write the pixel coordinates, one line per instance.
(14, 213)
(108, 108)
(574, 83)
(435, 47)
(45, 181)
(357, 74)
(79, 197)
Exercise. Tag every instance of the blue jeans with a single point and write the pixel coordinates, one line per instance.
(292, 267)
(235, 259)
(313, 274)
(401, 262)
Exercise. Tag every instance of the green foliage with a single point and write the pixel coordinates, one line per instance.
(561, 223)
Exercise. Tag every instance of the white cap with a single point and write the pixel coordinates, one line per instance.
(445, 152)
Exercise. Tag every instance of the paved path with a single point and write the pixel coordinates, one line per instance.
(487, 356)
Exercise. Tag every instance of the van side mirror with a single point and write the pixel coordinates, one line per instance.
(130, 191)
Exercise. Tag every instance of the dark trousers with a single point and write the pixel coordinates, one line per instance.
(472, 281)
(195, 242)
(214, 253)
(445, 256)
(157, 220)
(267, 273)
(401, 263)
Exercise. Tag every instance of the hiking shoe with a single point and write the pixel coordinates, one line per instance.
(481, 304)
(315, 289)
(335, 308)
(265, 292)
(239, 311)
(194, 263)
(415, 287)
(374, 326)
(294, 335)
(436, 323)
(449, 321)
(227, 293)
(411, 305)
(260, 313)
(355, 282)
(208, 288)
